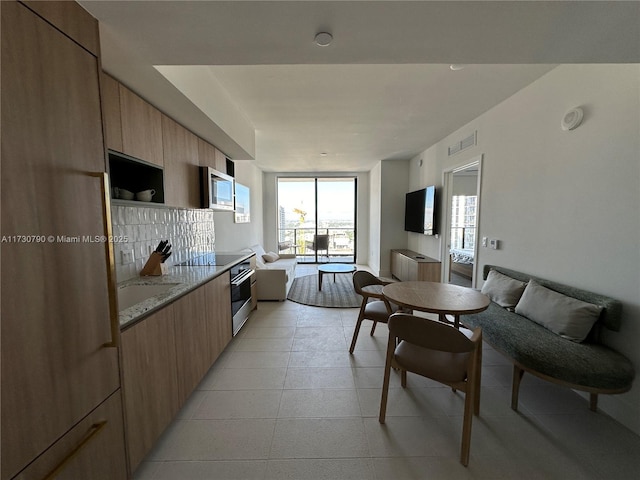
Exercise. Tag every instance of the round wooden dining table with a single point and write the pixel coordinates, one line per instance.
(433, 297)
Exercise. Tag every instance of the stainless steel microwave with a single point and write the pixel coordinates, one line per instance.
(217, 190)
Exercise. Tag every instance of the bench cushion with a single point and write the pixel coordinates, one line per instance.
(536, 348)
(503, 290)
(566, 316)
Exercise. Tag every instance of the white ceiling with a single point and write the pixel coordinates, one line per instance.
(382, 90)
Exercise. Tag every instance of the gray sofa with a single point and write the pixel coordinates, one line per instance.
(274, 278)
(588, 365)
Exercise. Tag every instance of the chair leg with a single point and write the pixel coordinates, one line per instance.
(515, 386)
(478, 382)
(385, 383)
(403, 378)
(373, 328)
(355, 335)
(466, 426)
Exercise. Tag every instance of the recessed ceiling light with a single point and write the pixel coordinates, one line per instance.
(456, 66)
(323, 39)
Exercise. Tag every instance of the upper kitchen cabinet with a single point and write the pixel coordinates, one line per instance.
(181, 172)
(59, 356)
(210, 156)
(75, 22)
(141, 125)
(111, 112)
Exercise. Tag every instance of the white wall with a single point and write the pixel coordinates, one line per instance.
(565, 205)
(375, 221)
(231, 236)
(395, 182)
(270, 209)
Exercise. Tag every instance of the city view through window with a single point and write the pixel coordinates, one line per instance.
(316, 218)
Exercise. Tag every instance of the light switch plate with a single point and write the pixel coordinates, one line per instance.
(484, 241)
(127, 257)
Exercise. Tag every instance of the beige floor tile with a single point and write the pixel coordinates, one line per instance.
(412, 437)
(246, 379)
(269, 332)
(257, 360)
(224, 404)
(264, 345)
(212, 470)
(319, 403)
(320, 469)
(319, 438)
(217, 440)
(320, 359)
(309, 378)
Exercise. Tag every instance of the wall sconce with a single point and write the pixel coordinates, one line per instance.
(572, 119)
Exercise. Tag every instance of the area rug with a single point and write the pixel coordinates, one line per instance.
(339, 294)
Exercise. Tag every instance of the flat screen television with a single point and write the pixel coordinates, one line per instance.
(420, 211)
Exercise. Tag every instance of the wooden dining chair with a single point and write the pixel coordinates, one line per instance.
(441, 353)
(374, 307)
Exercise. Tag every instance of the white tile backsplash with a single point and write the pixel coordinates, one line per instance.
(189, 231)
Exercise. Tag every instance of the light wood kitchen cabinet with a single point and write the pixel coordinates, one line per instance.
(166, 355)
(58, 362)
(98, 434)
(181, 165)
(218, 312)
(149, 380)
(68, 18)
(141, 127)
(407, 265)
(210, 156)
(192, 343)
(111, 112)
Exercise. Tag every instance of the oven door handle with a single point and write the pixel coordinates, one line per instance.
(241, 277)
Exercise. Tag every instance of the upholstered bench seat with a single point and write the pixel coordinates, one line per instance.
(588, 365)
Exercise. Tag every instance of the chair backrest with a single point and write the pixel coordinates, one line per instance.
(321, 242)
(362, 278)
(432, 334)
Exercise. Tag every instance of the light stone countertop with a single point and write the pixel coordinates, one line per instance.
(186, 278)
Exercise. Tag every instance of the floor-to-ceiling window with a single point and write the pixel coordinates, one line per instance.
(317, 218)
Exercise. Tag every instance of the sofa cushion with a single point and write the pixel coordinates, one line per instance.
(503, 290)
(566, 316)
(270, 257)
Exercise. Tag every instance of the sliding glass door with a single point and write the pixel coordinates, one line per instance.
(317, 218)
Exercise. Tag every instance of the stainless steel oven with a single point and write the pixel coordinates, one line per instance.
(241, 276)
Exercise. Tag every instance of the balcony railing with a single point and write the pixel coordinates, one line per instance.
(300, 241)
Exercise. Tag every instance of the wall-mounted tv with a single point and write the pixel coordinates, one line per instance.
(420, 211)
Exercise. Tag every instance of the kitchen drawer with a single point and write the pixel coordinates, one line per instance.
(93, 449)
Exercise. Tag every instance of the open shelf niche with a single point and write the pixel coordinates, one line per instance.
(135, 175)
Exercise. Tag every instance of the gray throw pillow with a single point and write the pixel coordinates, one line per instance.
(565, 316)
(503, 290)
(270, 257)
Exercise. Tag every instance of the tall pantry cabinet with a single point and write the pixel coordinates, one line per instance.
(61, 403)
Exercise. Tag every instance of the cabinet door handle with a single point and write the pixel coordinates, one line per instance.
(111, 264)
(93, 431)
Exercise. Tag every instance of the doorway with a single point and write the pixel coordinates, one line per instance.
(317, 218)
(462, 193)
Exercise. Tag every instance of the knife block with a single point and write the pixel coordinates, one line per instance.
(154, 266)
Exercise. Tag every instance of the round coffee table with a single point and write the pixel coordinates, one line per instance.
(333, 268)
